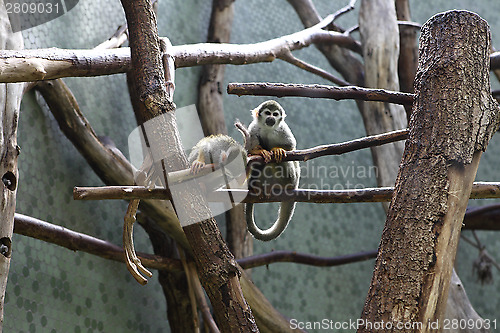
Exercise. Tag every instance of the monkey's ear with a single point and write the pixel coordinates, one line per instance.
(255, 113)
(283, 113)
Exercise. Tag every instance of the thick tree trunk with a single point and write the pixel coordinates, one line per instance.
(10, 101)
(408, 53)
(453, 119)
(380, 39)
(218, 270)
(211, 112)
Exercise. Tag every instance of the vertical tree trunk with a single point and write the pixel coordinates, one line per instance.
(408, 53)
(10, 101)
(173, 284)
(453, 119)
(218, 270)
(211, 112)
(380, 39)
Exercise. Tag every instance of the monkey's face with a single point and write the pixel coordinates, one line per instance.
(270, 117)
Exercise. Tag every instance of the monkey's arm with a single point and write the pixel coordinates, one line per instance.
(278, 153)
(258, 150)
(199, 162)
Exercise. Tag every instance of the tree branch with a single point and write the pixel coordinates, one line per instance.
(319, 91)
(480, 190)
(306, 259)
(75, 241)
(53, 63)
(288, 57)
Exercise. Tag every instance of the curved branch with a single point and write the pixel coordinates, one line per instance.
(306, 259)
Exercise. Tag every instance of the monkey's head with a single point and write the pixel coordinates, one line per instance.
(269, 114)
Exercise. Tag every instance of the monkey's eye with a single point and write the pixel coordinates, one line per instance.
(276, 114)
(267, 113)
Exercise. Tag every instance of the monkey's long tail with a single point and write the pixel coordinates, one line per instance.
(285, 214)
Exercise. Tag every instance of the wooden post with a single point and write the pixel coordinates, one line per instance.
(453, 119)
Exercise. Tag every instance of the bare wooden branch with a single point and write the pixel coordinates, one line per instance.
(190, 273)
(306, 259)
(319, 91)
(341, 59)
(201, 300)
(132, 262)
(117, 40)
(480, 190)
(483, 217)
(288, 57)
(53, 63)
(495, 60)
(76, 241)
(409, 24)
(344, 10)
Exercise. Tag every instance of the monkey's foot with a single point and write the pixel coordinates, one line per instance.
(262, 152)
(279, 154)
(197, 166)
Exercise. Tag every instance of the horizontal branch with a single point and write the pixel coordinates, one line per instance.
(480, 190)
(75, 241)
(306, 259)
(53, 63)
(483, 217)
(495, 60)
(319, 91)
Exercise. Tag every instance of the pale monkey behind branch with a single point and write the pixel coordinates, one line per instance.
(271, 137)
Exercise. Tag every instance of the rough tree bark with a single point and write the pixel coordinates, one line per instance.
(10, 101)
(211, 112)
(453, 119)
(174, 284)
(380, 39)
(218, 270)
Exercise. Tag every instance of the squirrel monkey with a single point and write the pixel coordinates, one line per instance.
(270, 137)
(219, 150)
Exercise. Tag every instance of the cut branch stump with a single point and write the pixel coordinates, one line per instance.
(452, 121)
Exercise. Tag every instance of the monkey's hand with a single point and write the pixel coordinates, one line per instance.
(279, 154)
(196, 166)
(262, 152)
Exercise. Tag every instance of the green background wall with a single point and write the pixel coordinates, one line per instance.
(51, 289)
